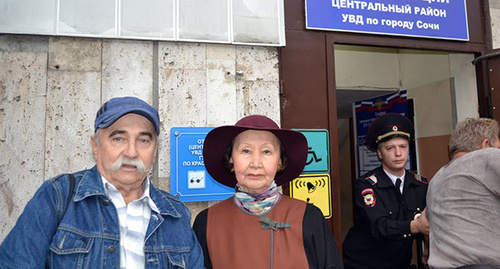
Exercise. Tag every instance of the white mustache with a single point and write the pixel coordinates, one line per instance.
(127, 161)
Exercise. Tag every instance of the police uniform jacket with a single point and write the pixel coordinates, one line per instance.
(381, 237)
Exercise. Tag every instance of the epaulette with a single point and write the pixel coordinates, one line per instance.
(420, 178)
(372, 180)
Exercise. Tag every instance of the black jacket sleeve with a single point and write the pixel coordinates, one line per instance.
(319, 243)
(200, 229)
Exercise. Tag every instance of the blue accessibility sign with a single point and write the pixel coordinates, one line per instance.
(318, 157)
(188, 177)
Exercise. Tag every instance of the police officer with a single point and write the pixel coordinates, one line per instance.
(389, 201)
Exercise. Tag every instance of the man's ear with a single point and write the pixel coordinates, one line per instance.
(93, 142)
(379, 154)
(485, 144)
(156, 147)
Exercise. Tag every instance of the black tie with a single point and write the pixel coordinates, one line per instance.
(398, 184)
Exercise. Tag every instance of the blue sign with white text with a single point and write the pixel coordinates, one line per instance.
(443, 19)
(188, 177)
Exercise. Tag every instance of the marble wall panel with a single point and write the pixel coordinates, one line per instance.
(182, 98)
(182, 103)
(242, 97)
(24, 43)
(73, 99)
(257, 63)
(257, 87)
(495, 26)
(221, 93)
(219, 51)
(75, 54)
(261, 97)
(178, 55)
(495, 23)
(127, 69)
(494, 3)
(22, 116)
(221, 85)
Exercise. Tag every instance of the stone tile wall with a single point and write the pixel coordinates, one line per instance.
(495, 23)
(51, 88)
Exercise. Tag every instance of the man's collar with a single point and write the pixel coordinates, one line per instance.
(108, 186)
(90, 185)
(393, 178)
(459, 154)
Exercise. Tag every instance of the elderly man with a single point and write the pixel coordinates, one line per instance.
(389, 201)
(109, 216)
(464, 199)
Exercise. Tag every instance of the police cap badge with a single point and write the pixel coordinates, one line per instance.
(388, 126)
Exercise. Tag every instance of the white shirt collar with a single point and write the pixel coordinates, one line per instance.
(144, 197)
(394, 178)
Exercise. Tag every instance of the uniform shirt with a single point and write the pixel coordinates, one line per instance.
(134, 219)
(394, 178)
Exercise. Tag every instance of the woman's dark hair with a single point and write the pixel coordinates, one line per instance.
(229, 152)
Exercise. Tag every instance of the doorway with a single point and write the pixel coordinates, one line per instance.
(442, 86)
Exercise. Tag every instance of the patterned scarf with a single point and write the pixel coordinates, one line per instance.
(257, 203)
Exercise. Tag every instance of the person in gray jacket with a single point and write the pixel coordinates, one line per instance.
(463, 200)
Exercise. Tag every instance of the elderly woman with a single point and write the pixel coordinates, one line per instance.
(259, 227)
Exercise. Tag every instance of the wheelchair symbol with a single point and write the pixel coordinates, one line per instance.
(314, 157)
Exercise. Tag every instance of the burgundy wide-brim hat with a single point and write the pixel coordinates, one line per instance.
(388, 126)
(218, 140)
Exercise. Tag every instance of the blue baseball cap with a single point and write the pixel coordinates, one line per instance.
(115, 108)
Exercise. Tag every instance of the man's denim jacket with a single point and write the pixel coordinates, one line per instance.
(88, 235)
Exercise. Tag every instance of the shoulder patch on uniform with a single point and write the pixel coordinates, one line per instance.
(372, 180)
(368, 197)
(420, 178)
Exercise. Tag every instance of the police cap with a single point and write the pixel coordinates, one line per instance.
(388, 126)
